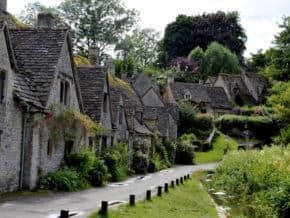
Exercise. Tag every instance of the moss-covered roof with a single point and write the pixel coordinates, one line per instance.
(12, 21)
(81, 61)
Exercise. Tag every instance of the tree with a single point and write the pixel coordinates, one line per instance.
(198, 55)
(31, 10)
(219, 59)
(141, 45)
(99, 22)
(187, 32)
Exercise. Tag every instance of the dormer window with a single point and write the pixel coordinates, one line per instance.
(187, 96)
(64, 93)
(2, 86)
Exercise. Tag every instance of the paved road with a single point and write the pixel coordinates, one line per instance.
(85, 202)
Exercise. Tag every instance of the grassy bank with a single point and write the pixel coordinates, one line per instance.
(217, 151)
(186, 201)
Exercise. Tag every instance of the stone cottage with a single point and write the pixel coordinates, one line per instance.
(246, 88)
(207, 99)
(36, 73)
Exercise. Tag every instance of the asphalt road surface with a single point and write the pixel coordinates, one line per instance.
(85, 202)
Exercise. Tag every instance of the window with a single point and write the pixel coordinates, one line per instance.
(187, 96)
(91, 142)
(2, 86)
(104, 141)
(68, 148)
(121, 111)
(105, 103)
(64, 92)
(49, 148)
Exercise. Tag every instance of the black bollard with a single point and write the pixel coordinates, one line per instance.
(177, 182)
(64, 214)
(172, 184)
(166, 187)
(181, 180)
(132, 200)
(188, 176)
(148, 195)
(185, 178)
(159, 191)
(104, 208)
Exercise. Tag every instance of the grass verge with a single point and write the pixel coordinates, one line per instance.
(217, 151)
(185, 201)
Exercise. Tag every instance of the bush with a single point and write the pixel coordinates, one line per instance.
(184, 151)
(63, 180)
(113, 160)
(82, 161)
(140, 163)
(99, 174)
(170, 149)
(156, 164)
(258, 182)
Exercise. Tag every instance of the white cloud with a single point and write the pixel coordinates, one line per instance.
(259, 18)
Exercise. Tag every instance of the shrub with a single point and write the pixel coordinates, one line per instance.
(162, 153)
(156, 164)
(140, 163)
(113, 160)
(184, 153)
(82, 161)
(170, 148)
(258, 181)
(99, 174)
(63, 180)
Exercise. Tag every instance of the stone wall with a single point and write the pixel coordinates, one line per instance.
(11, 125)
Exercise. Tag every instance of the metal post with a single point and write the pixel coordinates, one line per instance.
(159, 191)
(172, 184)
(181, 180)
(104, 208)
(166, 187)
(177, 182)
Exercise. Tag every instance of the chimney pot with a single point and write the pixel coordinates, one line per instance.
(45, 20)
(94, 55)
(3, 5)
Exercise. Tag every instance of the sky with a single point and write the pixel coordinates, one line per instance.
(260, 19)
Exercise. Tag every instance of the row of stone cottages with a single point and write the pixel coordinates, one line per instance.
(37, 71)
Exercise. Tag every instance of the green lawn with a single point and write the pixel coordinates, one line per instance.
(217, 151)
(185, 201)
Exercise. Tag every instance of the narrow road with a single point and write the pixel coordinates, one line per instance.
(85, 202)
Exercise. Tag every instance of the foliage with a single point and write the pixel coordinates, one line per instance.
(155, 164)
(98, 174)
(254, 111)
(63, 180)
(186, 33)
(126, 66)
(31, 10)
(99, 22)
(178, 203)
(220, 59)
(140, 46)
(71, 124)
(216, 153)
(262, 127)
(140, 162)
(170, 149)
(81, 61)
(198, 55)
(187, 115)
(185, 150)
(113, 159)
(258, 181)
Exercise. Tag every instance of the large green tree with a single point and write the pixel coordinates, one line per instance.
(141, 46)
(188, 32)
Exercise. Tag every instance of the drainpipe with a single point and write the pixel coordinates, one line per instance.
(25, 114)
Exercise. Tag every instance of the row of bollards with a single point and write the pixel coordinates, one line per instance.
(105, 204)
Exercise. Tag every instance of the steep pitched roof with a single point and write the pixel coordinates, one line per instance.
(197, 91)
(92, 81)
(218, 97)
(37, 52)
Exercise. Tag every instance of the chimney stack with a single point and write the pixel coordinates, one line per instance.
(111, 66)
(170, 80)
(94, 55)
(3, 5)
(45, 20)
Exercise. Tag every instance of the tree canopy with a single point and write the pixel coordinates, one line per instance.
(188, 32)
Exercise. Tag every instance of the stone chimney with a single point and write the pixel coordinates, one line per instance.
(45, 20)
(94, 55)
(3, 5)
(111, 66)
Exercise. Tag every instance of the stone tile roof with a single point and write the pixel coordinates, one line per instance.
(141, 128)
(198, 92)
(36, 52)
(218, 98)
(163, 121)
(150, 113)
(115, 98)
(8, 18)
(92, 81)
